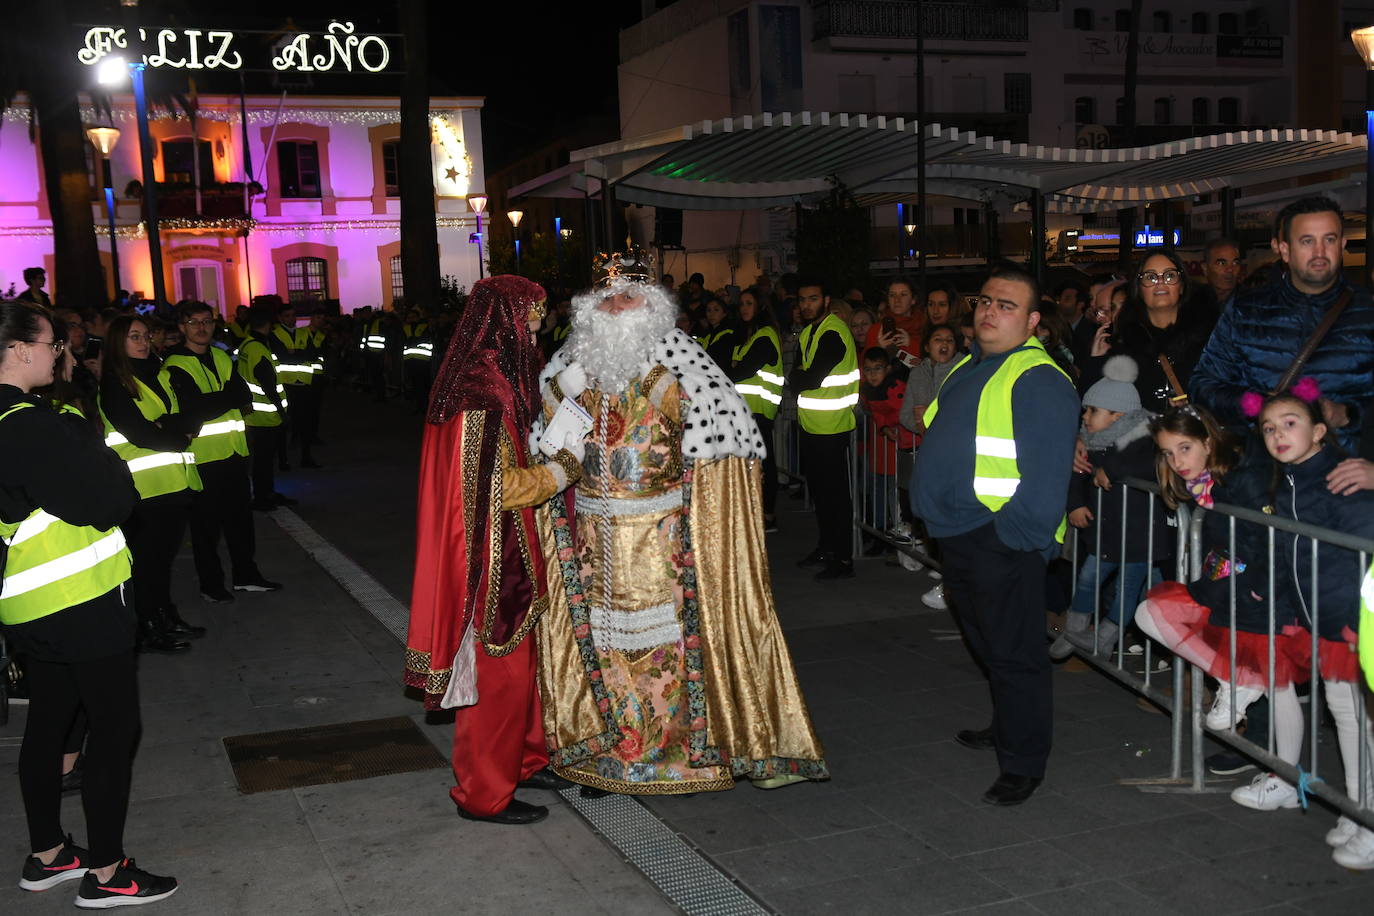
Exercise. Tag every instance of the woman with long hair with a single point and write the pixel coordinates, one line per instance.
(63, 606)
(1161, 322)
(143, 427)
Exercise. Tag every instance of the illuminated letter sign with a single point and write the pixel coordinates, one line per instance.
(207, 49)
(1154, 238)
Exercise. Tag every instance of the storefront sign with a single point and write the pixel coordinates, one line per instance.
(1154, 238)
(335, 50)
(1252, 49)
(1157, 49)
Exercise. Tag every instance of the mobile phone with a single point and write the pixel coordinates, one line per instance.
(93, 347)
(889, 324)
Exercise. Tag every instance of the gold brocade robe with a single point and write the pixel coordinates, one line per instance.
(663, 669)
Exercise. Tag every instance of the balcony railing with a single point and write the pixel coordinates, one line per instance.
(218, 201)
(968, 21)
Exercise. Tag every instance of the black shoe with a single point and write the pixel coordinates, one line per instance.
(70, 864)
(1012, 789)
(258, 584)
(128, 886)
(545, 779)
(172, 623)
(517, 812)
(282, 499)
(152, 638)
(71, 780)
(219, 595)
(589, 792)
(814, 558)
(1228, 763)
(980, 739)
(836, 569)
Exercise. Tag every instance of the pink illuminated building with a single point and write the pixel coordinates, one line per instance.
(321, 220)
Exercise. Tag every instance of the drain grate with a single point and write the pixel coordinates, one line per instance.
(342, 752)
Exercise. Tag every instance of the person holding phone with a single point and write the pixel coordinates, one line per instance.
(901, 328)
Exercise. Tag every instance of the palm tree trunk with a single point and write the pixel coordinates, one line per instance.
(419, 232)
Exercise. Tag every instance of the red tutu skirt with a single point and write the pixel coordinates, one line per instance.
(1183, 625)
(1337, 660)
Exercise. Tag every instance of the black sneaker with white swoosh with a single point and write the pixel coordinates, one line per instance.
(128, 886)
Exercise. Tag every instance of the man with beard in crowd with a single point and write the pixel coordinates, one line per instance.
(479, 573)
(662, 658)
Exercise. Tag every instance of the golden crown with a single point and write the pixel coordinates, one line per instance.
(635, 265)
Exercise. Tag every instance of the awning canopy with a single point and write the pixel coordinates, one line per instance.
(770, 160)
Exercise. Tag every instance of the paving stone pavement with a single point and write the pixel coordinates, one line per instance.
(899, 829)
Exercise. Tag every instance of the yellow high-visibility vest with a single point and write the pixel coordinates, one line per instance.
(829, 408)
(155, 473)
(223, 437)
(264, 413)
(762, 391)
(996, 475)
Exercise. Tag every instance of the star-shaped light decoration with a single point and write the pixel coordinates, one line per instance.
(451, 174)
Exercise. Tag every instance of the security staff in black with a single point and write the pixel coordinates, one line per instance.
(990, 483)
(266, 418)
(308, 399)
(826, 382)
(201, 377)
(65, 609)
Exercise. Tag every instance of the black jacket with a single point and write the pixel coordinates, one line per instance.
(1302, 495)
(1182, 343)
(1247, 488)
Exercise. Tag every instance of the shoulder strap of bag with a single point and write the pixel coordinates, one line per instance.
(1179, 397)
(1314, 341)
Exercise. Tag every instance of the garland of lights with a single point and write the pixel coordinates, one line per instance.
(138, 230)
(361, 117)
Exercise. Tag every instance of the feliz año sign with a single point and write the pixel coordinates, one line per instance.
(337, 49)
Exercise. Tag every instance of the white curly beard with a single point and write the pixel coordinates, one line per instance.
(614, 350)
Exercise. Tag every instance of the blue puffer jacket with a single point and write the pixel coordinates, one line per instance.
(1302, 495)
(1257, 337)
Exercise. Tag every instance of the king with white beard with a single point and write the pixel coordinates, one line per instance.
(663, 668)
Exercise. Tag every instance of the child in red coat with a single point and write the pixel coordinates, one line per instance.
(880, 398)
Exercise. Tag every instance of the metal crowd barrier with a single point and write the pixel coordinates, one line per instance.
(878, 509)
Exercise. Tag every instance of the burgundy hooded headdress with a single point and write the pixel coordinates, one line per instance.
(491, 362)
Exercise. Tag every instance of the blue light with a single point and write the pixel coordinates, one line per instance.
(1154, 238)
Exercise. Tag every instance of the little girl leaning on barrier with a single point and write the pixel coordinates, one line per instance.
(1197, 461)
(1303, 454)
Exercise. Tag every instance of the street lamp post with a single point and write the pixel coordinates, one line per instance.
(104, 140)
(478, 203)
(515, 216)
(1364, 43)
(114, 69)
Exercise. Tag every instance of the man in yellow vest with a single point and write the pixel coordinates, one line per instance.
(306, 399)
(294, 371)
(201, 377)
(417, 355)
(258, 366)
(826, 380)
(990, 482)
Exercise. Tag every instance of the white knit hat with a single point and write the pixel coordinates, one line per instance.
(1116, 389)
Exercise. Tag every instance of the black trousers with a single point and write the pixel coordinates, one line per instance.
(825, 462)
(997, 595)
(107, 689)
(417, 382)
(262, 452)
(155, 532)
(770, 465)
(222, 508)
(303, 401)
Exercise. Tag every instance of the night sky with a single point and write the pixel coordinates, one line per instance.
(539, 66)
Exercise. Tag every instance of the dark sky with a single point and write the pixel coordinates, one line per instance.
(541, 66)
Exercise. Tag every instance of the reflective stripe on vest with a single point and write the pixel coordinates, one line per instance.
(996, 474)
(762, 391)
(294, 368)
(265, 412)
(156, 473)
(827, 408)
(223, 437)
(1366, 626)
(373, 339)
(51, 565)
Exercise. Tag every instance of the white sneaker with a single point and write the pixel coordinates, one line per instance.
(1219, 717)
(1342, 833)
(935, 598)
(1266, 792)
(1358, 852)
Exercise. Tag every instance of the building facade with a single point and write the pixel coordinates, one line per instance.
(302, 203)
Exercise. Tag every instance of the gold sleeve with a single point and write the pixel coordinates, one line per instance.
(521, 487)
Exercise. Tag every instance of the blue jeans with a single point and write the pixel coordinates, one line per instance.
(878, 500)
(1135, 577)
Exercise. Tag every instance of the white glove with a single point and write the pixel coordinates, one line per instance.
(576, 446)
(572, 381)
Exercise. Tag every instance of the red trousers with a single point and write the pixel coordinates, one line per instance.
(500, 740)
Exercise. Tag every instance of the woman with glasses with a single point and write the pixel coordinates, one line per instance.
(64, 608)
(144, 428)
(1161, 320)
